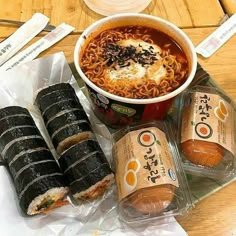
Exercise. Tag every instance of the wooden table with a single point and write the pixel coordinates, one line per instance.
(215, 215)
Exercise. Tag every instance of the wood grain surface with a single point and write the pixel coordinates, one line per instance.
(229, 6)
(184, 13)
(215, 215)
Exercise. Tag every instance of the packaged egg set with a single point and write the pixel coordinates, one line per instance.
(207, 133)
(151, 183)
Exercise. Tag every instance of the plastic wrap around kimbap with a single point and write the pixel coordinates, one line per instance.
(87, 169)
(36, 175)
(63, 115)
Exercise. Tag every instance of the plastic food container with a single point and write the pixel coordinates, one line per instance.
(207, 137)
(117, 111)
(151, 183)
(111, 7)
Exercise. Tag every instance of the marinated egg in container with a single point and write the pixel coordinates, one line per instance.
(150, 179)
(207, 132)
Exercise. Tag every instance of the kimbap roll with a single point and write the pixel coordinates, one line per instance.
(86, 169)
(71, 134)
(36, 175)
(63, 115)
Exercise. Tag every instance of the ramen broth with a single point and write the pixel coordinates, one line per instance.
(135, 62)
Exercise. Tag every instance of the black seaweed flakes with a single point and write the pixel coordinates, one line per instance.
(115, 54)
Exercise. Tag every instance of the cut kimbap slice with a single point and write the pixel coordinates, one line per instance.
(23, 146)
(28, 158)
(54, 97)
(62, 105)
(71, 134)
(52, 88)
(15, 133)
(43, 194)
(92, 185)
(40, 168)
(86, 147)
(12, 110)
(87, 170)
(64, 118)
(13, 121)
(83, 166)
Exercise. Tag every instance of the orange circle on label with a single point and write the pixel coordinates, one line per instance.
(146, 138)
(203, 130)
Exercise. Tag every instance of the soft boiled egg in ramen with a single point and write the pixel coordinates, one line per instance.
(135, 70)
(135, 62)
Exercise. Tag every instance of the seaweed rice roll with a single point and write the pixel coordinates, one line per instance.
(87, 169)
(63, 115)
(36, 175)
(80, 157)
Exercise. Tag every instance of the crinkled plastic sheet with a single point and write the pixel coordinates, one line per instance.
(96, 218)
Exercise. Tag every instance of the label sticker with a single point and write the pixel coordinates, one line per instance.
(208, 117)
(215, 40)
(143, 159)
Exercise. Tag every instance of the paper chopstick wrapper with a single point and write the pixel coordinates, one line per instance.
(35, 49)
(22, 36)
(215, 40)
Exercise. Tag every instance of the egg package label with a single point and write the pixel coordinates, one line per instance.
(208, 117)
(143, 159)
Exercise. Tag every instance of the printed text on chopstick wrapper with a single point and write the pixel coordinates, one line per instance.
(143, 159)
(215, 40)
(208, 117)
(5, 49)
(42, 44)
(22, 36)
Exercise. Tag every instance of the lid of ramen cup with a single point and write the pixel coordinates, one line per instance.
(110, 7)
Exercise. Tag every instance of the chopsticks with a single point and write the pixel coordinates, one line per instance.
(48, 28)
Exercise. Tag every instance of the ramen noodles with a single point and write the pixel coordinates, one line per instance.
(135, 62)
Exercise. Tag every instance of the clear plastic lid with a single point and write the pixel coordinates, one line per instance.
(151, 183)
(111, 7)
(207, 133)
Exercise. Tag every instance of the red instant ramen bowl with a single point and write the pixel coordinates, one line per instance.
(117, 111)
